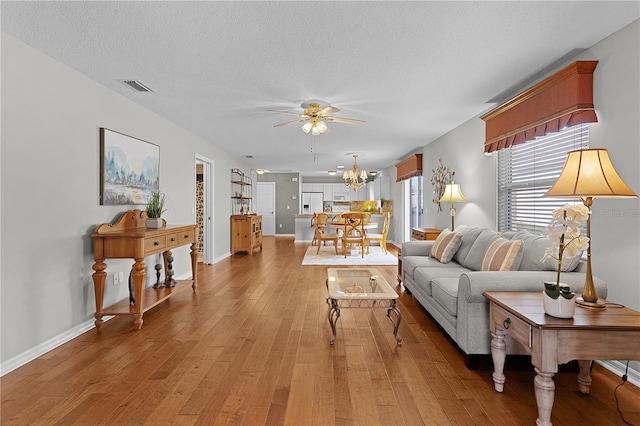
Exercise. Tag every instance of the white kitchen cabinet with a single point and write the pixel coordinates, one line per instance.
(328, 191)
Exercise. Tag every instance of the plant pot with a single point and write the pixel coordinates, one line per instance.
(154, 223)
(560, 307)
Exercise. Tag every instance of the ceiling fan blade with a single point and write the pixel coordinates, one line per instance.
(329, 110)
(286, 112)
(291, 122)
(346, 121)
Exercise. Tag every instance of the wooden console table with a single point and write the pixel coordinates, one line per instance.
(605, 334)
(129, 238)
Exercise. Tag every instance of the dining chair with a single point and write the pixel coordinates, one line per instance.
(321, 235)
(353, 232)
(382, 236)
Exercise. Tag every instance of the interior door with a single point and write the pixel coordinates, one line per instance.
(204, 208)
(266, 206)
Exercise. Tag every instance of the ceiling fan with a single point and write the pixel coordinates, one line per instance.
(315, 114)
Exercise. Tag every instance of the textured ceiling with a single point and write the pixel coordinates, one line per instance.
(412, 70)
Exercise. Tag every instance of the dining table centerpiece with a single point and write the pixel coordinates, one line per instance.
(566, 242)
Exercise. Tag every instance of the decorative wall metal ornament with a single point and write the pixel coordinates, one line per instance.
(441, 177)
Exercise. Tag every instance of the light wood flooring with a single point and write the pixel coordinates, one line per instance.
(251, 347)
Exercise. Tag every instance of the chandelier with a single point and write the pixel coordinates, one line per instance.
(355, 178)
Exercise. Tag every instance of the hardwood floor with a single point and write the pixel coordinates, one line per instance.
(251, 347)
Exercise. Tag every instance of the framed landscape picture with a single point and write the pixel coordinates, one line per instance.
(129, 169)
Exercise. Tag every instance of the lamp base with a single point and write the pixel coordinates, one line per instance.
(599, 304)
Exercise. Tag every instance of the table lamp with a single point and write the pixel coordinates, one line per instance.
(589, 174)
(452, 194)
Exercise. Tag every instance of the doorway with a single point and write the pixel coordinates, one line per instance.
(266, 206)
(204, 208)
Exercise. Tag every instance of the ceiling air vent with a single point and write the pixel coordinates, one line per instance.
(137, 86)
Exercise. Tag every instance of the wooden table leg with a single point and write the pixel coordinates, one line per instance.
(545, 392)
(138, 277)
(194, 265)
(584, 378)
(499, 354)
(99, 277)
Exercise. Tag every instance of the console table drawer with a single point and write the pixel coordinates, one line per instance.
(153, 244)
(180, 238)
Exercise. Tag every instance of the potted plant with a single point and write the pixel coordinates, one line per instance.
(155, 208)
(566, 242)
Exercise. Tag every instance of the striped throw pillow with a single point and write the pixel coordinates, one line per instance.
(445, 246)
(502, 255)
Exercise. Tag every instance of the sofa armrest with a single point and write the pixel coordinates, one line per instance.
(416, 248)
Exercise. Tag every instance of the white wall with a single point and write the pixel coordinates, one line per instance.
(50, 161)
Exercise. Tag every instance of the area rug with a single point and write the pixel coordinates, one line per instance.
(327, 256)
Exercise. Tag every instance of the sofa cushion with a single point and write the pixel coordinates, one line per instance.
(445, 292)
(479, 247)
(424, 276)
(502, 255)
(469, 235)
(445, 246)
(533, 251)
(410, 263)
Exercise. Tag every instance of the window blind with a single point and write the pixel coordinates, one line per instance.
(525, 174)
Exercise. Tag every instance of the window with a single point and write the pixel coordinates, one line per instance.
(416, 202)
(527, 171)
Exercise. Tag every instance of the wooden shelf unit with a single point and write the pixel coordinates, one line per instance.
(241, 192)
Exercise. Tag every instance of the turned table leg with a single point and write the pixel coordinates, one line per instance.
(99, 277)
(499, 354)
(545, 392)
(138, 277)
(584, 378)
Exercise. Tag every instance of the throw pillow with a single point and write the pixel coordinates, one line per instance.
(502, 255)
(445, 246)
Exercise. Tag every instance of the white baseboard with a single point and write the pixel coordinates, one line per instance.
(62, 338)
(618, 368)
(44, 347)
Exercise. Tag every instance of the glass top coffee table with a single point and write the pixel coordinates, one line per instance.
(360, 288)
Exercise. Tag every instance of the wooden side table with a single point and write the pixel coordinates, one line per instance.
(424, 234)
(612, 333)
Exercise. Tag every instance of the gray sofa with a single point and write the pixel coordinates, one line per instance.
(452, 292)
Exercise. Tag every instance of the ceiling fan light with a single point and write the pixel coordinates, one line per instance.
(322, 126)
(306, 127)
(315, 131)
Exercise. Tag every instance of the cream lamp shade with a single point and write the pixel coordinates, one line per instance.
(452, 194)
(589, 174)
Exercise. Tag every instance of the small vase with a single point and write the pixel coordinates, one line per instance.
(560, 307)
(154, 223)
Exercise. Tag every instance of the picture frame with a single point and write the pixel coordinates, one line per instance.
(129, 169)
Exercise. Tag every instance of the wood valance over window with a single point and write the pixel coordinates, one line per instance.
(563, 99)
(409, 168)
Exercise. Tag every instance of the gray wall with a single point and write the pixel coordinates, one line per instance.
(51, 117)
(286, 205)
(615, 224)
